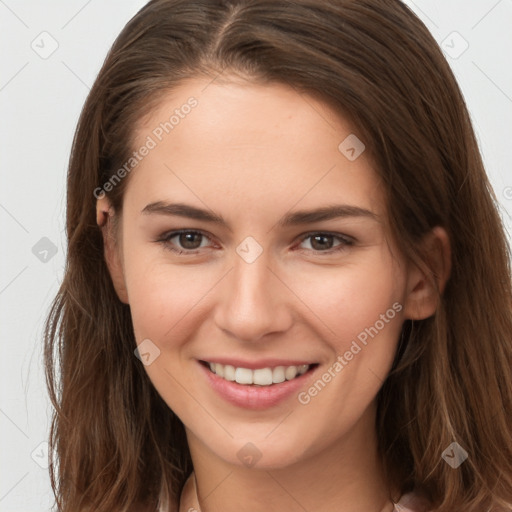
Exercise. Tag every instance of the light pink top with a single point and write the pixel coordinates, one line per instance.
(408, 502)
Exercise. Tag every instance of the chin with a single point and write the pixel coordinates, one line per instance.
(261, 451)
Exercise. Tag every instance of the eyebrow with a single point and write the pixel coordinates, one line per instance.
(290, 219)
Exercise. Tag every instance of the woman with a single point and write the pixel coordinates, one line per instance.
(288, 285)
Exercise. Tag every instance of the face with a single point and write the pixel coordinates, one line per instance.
(251, 245)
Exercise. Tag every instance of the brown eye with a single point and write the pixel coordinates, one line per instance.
(326, 242)
(322, 242)
(190, 240)
(183, 242)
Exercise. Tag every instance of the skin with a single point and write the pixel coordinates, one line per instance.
(251, 154)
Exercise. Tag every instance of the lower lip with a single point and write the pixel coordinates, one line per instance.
(252, 396)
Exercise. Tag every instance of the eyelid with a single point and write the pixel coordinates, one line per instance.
(345, 240)
(166, 237)
(335, 234)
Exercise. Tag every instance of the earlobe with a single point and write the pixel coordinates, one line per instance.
(103, 211)
(427, 284)
(104, 218)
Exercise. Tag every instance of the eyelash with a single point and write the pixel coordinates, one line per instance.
(344, 240)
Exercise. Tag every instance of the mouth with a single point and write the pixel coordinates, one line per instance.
(264, 377)
(257, 385)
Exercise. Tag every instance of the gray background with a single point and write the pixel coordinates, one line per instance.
(41, 95)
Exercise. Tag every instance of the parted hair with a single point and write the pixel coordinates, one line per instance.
(116, 443)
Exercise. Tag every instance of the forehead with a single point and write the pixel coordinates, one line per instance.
(257, 143)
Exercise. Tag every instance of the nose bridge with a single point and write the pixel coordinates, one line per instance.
(252, 304)
(252, 281)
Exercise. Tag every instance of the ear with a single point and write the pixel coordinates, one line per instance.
(425, 285)
(105, 220)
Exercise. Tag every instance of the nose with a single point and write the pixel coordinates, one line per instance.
(253, 302)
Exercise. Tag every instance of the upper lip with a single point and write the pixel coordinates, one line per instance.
(256, 364)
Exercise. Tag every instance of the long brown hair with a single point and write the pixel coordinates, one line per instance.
(116, 441)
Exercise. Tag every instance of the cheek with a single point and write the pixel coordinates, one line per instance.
(345, 300)
(339, 307)
(163, 296)
(165, 303)
(359, 315)
(348, 300)
(363, 313)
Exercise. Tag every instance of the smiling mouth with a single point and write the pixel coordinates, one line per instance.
(259, 377)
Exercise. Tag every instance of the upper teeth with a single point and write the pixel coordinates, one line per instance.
(261, 376)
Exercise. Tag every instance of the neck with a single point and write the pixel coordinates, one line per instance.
(345, 477)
